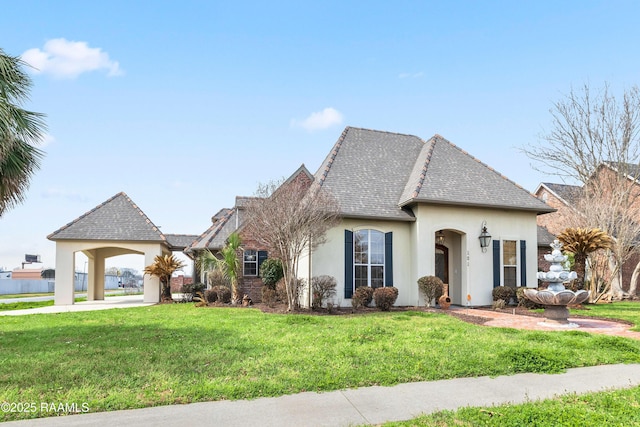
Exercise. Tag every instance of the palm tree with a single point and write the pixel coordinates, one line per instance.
(19, 131)
(227, 262)
(163, 267)
(581, 242)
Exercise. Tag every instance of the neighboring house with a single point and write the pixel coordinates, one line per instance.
(565, 200)
(412, 208)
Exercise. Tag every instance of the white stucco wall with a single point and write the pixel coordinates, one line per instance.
(476, 267)
(329, 258)
(470, 269)
(97, 252)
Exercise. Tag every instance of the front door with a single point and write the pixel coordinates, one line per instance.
(442, 263)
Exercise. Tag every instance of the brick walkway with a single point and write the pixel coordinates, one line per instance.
(507, 320)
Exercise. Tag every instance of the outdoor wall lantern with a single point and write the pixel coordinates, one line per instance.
(440, 237)
(485, 237)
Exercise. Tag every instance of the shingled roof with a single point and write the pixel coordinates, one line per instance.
(118, 218)
(225, 222)
(568, 193)
(376, 174)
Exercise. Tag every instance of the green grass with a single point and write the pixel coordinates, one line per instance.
(22, 305)
(8, 296)
(614, 408)
(167, 354)
(626, 310)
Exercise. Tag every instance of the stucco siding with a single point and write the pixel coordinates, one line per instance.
(470, 269)
(329, 258)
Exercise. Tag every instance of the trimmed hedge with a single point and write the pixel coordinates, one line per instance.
(362, 297)
(504, 293)
(385, 297)
(431, 287)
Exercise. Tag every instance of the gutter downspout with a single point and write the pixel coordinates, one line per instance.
(309, 275)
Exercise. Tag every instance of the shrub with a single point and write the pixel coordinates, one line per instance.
(269, 296)
(504, 293)
(189, 290)
(498, 304)
(217, 278)
(224, 294)
(525, 302)
(211, 296)
(271, 272)
(324, 287)
(385, 297)
(281, 291)
(431, 287)
(362, 297)
(220, 294)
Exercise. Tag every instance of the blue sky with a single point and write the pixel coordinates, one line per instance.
(184, 105)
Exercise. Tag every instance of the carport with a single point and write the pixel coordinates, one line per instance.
(115, 227)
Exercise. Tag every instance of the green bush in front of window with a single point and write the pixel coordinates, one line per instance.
(385, 297)
(271, 272)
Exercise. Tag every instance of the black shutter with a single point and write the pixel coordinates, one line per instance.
(523, 263)
(348, 264)
(262, 256)
(496, 263)
(388, 259)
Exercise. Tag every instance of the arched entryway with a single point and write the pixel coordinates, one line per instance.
(448, 253)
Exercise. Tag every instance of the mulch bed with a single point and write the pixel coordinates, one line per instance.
(471, 315)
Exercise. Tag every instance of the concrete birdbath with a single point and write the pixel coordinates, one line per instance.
(556, 298)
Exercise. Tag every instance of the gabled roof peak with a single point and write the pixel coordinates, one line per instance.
(117, 218)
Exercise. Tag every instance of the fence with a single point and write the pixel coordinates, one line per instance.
(13, 286)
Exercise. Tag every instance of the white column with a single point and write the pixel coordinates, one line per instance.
(151, 283)
(65, 275)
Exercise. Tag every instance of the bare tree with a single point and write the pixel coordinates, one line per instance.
(595, 142)
(289, 218)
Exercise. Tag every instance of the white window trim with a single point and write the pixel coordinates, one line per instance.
(369, 264)
(245, 262)
(502, 265)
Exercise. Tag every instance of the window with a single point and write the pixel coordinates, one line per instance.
(368, 258)
(250, 264)
(510, 263)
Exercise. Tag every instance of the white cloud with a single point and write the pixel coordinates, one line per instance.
(62, 58)
(410, 75)
(319, 120)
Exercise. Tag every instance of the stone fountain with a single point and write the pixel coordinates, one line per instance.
(556, 298)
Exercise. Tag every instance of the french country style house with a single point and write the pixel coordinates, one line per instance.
(411, 208)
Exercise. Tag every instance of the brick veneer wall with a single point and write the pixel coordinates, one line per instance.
(177, 282)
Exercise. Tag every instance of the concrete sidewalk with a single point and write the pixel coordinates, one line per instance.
(367, 405)
(120, 301)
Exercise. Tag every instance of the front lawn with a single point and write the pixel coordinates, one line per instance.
(23, 305)
(613, 408)
(166, 354)
(625, 310)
